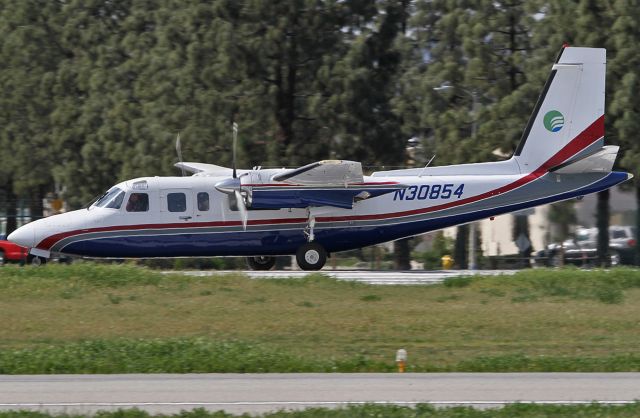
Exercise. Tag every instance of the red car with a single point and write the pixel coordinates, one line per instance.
(10, 251)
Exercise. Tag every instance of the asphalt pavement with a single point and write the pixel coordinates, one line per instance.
(256, 393)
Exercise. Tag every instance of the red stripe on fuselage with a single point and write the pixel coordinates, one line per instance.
(587, 137)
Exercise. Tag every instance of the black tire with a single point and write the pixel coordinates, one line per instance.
(2, 259)
(261, 263)
(311, 256)
(36, 261)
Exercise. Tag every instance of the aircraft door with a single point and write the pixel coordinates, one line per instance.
(176, 205)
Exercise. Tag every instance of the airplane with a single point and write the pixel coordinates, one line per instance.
(331, 206)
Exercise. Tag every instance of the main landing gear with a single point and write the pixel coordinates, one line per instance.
(311, 256)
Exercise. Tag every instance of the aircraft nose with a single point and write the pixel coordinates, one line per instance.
(24, 236)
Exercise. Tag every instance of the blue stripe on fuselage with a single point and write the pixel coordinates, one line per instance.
(287, 241)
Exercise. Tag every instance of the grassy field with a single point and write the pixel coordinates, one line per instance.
(420, 411)
(88, 317)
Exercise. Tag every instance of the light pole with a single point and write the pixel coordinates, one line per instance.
(474, 127)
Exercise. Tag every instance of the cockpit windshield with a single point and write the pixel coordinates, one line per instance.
(112, 199)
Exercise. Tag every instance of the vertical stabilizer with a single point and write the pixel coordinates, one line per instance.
(568, 120)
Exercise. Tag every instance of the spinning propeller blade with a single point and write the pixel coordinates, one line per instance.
(233, 186)
(179, 151)
(242, 208)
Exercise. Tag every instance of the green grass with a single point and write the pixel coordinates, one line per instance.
(157, 356)
(101, 318)
(387, 411)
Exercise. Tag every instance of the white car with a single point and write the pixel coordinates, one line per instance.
(582, 250)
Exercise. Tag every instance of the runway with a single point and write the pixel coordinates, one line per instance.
(256, 393)
(376, 277)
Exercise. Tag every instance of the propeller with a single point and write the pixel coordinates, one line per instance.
(179, 151)
(242, 208)
(233, 185)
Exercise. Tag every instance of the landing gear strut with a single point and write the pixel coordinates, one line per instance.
(311, 256)
(308, 231)
(261, 262)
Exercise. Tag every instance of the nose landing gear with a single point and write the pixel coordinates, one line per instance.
(261, 263)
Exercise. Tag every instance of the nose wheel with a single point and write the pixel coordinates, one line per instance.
(261, 263)
(311, 256)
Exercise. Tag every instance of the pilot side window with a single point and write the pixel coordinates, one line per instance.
(203, 201)
(138, 202)
(176, 202)
(116, 202)
(112, 199)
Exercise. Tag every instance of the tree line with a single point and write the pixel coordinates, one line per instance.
(95, 91)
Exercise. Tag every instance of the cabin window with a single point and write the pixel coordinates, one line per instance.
(138, 202)
(176, 202)
(203, 201)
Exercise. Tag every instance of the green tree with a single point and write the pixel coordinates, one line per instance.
(625, 104)
(594, 20)
(480, 51)
(30, 56)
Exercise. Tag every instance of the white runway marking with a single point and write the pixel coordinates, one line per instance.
(412, 277)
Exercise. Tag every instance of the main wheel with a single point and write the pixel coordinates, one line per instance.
(311, 256)
(261, 263)
(1, 258)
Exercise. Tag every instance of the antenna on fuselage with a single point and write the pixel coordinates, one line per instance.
(425, 167)
(179, 151)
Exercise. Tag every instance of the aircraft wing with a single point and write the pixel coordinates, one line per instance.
(203, 168)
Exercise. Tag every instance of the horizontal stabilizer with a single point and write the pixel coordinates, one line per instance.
(599, 162)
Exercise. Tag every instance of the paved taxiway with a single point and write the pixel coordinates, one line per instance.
(412, 277)
(256, 393)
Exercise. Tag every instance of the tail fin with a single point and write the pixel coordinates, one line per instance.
(567, 123)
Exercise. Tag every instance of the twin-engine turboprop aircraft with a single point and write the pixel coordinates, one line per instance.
(331, 206)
